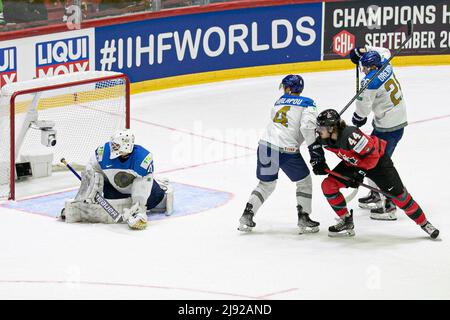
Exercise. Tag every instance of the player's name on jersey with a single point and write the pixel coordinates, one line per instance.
(290, 101)
(386, 73)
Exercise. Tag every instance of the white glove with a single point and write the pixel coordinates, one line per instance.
(136, 217)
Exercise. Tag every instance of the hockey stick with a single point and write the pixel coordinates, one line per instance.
(352, 195)
(98, 197)
(337, 175)
(409, 36)
(357, 79)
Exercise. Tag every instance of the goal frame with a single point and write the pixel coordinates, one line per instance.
(12, 103)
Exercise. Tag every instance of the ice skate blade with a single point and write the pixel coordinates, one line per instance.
(370, 206)
(343, 234)
(434, 234)
(244, 228)
(388, 216)
(304, 230)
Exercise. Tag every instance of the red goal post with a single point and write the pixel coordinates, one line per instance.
(66, 116)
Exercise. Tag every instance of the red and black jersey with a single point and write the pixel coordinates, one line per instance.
(356, 148)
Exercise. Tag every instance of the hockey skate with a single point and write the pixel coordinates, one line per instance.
(386, 212)
(371, 201)
(344, 228)
(62, 215)
(305, 223)
(246, 223)
(431, 230)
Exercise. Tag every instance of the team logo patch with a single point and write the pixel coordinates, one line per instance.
(362, 143)
(147, 161)
(100, 153)
(123, 179)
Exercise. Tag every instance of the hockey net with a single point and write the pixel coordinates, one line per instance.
(79, 111)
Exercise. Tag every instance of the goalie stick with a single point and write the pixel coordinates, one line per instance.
(98, 197)
(409, 36)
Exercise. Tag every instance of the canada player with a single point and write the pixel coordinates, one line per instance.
(362, 155)
(384, 98)
(292, 121)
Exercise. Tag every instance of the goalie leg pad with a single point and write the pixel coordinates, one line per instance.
(91, 183)
(166, 204)
(81, 211)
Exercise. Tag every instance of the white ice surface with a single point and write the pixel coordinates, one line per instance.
(203, 256)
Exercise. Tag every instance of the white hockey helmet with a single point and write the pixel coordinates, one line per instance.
(121, 144)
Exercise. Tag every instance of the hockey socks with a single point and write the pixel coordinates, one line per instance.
(411, 208)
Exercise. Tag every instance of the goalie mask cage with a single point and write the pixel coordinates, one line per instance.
(82, 109)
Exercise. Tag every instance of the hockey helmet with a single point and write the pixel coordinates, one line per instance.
(294, 82)
(122, 143)
(328, 118)
(371, 58)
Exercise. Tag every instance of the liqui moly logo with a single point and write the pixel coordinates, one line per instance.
(62, 56)
(8, 65)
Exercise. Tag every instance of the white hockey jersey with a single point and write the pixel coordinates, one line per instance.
(384, 97)
(292, 121)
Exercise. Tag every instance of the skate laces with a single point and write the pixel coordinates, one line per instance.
(340, 223)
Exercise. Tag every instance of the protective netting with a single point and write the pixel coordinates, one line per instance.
(84, 116)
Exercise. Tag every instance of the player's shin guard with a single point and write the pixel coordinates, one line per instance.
(411, 208)
(330, 188)
(262, 191)
(304, 193)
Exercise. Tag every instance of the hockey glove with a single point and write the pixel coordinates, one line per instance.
(136, 217)
(358, 121)
(357, 178)
(356, 54)
(316, 152)
(317, 158)
(319, 168)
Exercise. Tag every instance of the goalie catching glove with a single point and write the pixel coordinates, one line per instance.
(136, 217)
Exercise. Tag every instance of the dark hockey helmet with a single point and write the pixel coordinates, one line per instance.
(294, 82)
(328, 118)
(371, 58)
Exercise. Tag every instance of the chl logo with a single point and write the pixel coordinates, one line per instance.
(62, 56)
(8, 66)
(343, 43)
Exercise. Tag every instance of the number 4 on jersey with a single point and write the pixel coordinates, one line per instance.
(280, 116)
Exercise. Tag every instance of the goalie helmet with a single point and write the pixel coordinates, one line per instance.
(121, 144)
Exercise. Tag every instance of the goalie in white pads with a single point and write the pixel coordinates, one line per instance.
(123, 172)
